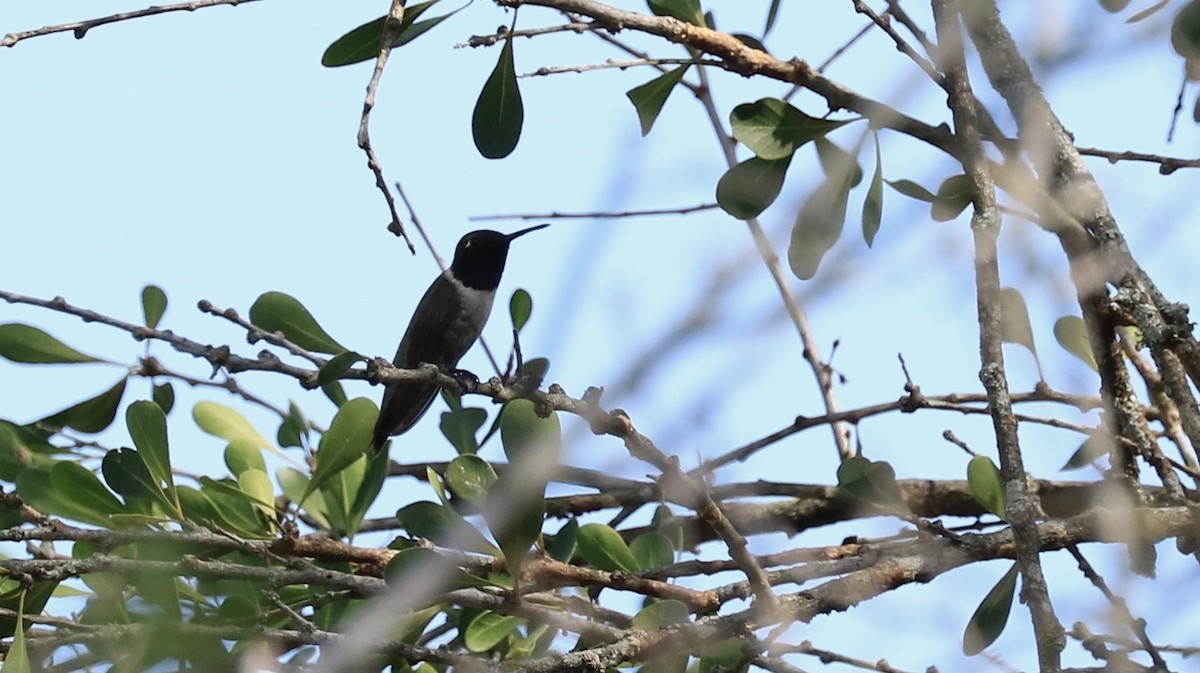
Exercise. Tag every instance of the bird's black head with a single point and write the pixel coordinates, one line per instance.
(480, 256)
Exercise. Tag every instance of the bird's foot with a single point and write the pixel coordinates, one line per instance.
(465, 380)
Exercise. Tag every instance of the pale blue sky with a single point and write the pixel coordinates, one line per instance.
(211, 154)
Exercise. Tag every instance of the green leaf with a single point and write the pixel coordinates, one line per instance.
(603, 548)
(279, 312)
(523, 432)
(772, 13)
(1185, 32)
(442, 526)
(520, 307)
(499, 113)
(30, 345)
(429, 563)
(241, 455)
(293, 427)
(154, 304)
(294, 483)
(335, 393)
(82, 487)
(773, 129)
(92, 415)
(684, 10)
(17, 658)
(983, 479)
(470, 478)
(164, 396)
(989, 619)
(748, 188)
(460, 427)
(488, 629)
(912, 190)
(837, 163)
(347, 440)
(336, 366)
(368, 490)
(147, 424)
(818, 226)
(953, 196)
(1014, 320)
(726, 654)
(872, 210)
(1096, 446)
(362, 43)
(1114, 6)
(873, 482)
(257, 485)
(1071, 333)
(648, 99)
(652, 550)
(126, 473)
(221, 421)
(657, 615)
(233, 508)
(564, 543)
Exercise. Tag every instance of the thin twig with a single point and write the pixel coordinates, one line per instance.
(80, 28)
(596, 215)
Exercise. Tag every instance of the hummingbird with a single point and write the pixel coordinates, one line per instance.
(447, 322)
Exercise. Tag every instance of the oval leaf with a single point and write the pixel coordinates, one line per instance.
(648, 99)
(30, 345)
(221, 421)
(773, 129)
(488, 630)
(873, 482)
(520, 307)
(912, 190)
(92, 415)
(684, 10)
(603, 548)
(818, 226)
(748, 188)
(347, 440)
(470, 477)
(154, 304)
(989, 619)
(660, 614)
(872, 210)
(499, 113)
(164, 396)
(522, 431)
(1071, 333)
(362, 43)
(652, 550)
(564, 543)
(336, 366)
(953, 196)
(279, 312)
(1014, 320)
(148, 428)
(983, 478)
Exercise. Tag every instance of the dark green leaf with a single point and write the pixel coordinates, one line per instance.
(488, 629)
(648, 99)
(562, 547)
(91, 415)
(154, 304)
(82, 487)
(772, 13)
(336, 366)
(499, 113)
(164, 396)
(1071, 333)
(293, 427)
(774, 129)
(1114, 6)
(983, 478)
(470, 478)
(35, 489)
(652, 550)
(221, 421)
(461, 425)
(662, 613)
(335, 393)
(440, 525)
(953, 196)
(520, 307)
(147, 425)
(362, 43)
(233, 508)
(872, 210)
(1147, 12)
(1014, 320)
(1095, 447)
(279, 312)
(515, 509)
(419, 563)
(747, 189)
(818, 226)
(989, 619)
(1185, 31)
(873, 482)
(30, 345)
(684, 10)
(369, 488)
(751, 41)
(347, 440)
(912, 190)
(603, 548)
(837, 163)
(126, 473)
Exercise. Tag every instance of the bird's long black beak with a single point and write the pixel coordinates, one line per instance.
(522, 232)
